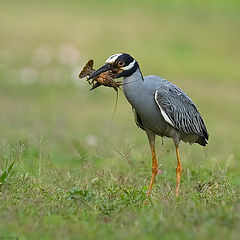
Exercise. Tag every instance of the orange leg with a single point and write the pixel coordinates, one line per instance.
(178, 170)
(151, 138)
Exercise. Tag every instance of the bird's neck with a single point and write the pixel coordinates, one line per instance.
(135, 79)
(132, 87)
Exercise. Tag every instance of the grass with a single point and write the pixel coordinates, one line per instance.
(68, 168)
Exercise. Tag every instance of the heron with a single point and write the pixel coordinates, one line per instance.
(160, 108)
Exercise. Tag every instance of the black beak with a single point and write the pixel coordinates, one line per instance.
(106, 67)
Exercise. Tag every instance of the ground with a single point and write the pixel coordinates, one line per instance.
(69, 167)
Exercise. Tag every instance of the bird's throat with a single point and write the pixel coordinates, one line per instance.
(132, 86)
(135, 79)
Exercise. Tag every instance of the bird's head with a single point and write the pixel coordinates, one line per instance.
(121, 63)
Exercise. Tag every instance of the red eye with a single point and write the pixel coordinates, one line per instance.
(120, 63)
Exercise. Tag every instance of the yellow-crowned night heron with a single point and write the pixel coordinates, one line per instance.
(160, 108)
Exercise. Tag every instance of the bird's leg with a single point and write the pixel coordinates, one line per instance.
(178, 169)
(151, 138)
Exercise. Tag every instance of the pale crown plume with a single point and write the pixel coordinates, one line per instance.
(112, 58)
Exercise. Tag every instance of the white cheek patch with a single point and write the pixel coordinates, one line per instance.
(129, 66)
(112, 58)
(165, 116)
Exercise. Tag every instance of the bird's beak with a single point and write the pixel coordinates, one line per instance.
(106, 67)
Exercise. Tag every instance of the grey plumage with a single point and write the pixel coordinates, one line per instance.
(148, 94)
(159, 107)
(181, 111)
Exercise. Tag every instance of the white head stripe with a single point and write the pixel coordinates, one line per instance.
(129, 66)
(112, 58)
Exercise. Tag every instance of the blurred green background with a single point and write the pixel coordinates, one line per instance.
(64, 128)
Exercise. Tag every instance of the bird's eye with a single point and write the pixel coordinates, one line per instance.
(120, 63)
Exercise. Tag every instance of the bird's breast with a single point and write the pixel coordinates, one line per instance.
(142, 100)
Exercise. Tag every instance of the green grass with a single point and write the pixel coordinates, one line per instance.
(68, 168)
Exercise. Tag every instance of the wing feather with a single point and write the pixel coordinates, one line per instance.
(179, 110)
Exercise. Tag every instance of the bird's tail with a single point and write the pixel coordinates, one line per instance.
(202, 141)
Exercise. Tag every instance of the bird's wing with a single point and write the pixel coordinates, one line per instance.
(179, 111)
